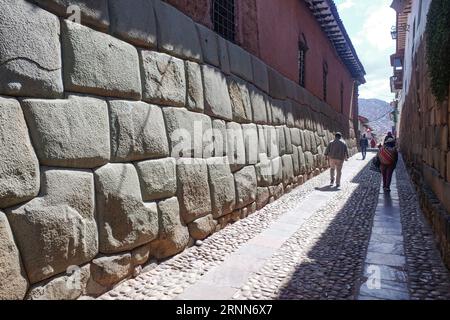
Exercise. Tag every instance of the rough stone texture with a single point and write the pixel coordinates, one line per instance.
(202, 227)
(93, 12)
(240, 62)
(296, 137)
(282, 147)
(258, 101)
(69, 133)
(273, 149)
(240, 100)
(173, 234)
(236, 146)
(135, 23)
(64, 216)
(309, 161)
(14, 283)
(190, 133)
(217, 99)
(137, 131)
(262, 142)
(262, 197)
(260, 75)
(288, 169)
(209, 43)
(30, 60)
(109, 270)
(194, 82)
(124, 221)
(99, 64)
(193, 189)
(221, 184)
(223, 56)
(163, 79)
(246, 185)
(250, 133)
(277, 87)
(278, 115)
(287, 137)
(296, 160)
(157, 178)
(19, 168)
(140, 255)
(220, 138)
(289, 113)
(277, 170)
(307, 139)
(264, 172)
(184, 44)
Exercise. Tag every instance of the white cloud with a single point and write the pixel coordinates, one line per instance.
(347, 4)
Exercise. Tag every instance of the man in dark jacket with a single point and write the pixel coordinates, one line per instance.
(336, 153)
(364, 144)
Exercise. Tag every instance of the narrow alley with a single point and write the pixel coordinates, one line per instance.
(316, 242)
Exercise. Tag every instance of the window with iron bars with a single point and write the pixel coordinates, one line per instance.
(325, 80)
(301, 65)
(223, 15)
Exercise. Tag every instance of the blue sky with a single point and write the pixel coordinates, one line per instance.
(368, 23)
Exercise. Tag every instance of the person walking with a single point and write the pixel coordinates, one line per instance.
(364, 144)
(336, 152)
(388, 156)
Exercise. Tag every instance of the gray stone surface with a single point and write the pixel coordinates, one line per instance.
(309, 161)
(194, 83)
(99, 64)
(246, 186)
(277, 170)
(281, 139)
(296, 160)
(30, 59)
(250, 133)
(157, 178)
(308, 143)
(64, 216)
(19, 169)
(210, 46)
(221, 183)
(264, 172)
(185, 44)
(288, 169)
(240, 100)
(217, 99)
(289, 113)
(236, 146)
(124, 220)
(193, 189)
(262, 197)
(137, 131)
(262, 142)
(93, 12)
(14, 283)
(173, 234)
(296, 137)
(277, 87)
(69, 133)
(163, 79)
(260, 75)
(288, 139)
(223, 55)
(141, 254)
(259, 109)
(202, 227)
(109, 270)
(190, 133)
(220, 137)
(278, 115)
(240, 62)
(273, 149)
(135, 23)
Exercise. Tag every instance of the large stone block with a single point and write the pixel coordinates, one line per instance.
(135, 23)
(236, 146)
(289, 113)
(217, 99)
(30, 52)
(19, 168)
(309, 161)
(288, 169)
(173, 234)
(277, 170)
(273, 148)
(296, 160)
(194, 82)
(223, 56)
(221, 183)
(158, 178)
(124, 220)
(202, 227)
(250, 132)
(137, 131)
(240, 100)
(260, 75)
(193, 189)
(264, 172)
(163, 79)
(210, 46)
(296, 137)
(93, 12)
(281, 139)
(262, 197)
(259, 108)
(57, 229)
(185, 44)
(277, 87)
(262, 142)
(190, 133)
(220, 137)
(69, 133)
(288, 139)
(99, 64)
(109, 270)
(278, 114)
(246, 186)
(307, 138)
(14, 283)
(240, 62)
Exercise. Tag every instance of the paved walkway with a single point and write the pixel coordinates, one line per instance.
(316, 242)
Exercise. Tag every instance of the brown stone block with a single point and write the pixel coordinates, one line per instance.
(448, 166)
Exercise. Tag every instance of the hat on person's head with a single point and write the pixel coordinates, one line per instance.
(338, 134)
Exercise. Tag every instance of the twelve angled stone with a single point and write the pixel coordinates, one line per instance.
(69, 133)
(124, 221)
(30, 59)
(19, 167)
(158, 178)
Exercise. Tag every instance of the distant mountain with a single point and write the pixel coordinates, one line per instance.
(378, 113)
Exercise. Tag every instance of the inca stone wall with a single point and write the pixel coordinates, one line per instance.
(426, 149)
(126, 138)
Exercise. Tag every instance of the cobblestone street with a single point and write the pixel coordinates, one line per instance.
(317, 242)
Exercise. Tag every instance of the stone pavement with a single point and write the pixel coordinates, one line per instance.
(316, 242)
